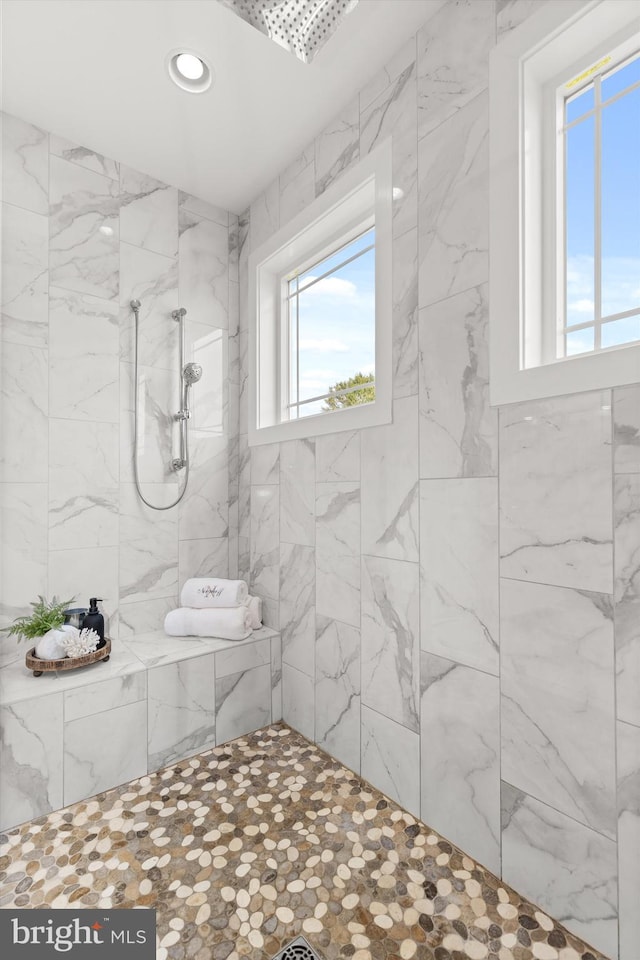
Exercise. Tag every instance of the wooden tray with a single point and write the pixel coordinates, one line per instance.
(67, 663)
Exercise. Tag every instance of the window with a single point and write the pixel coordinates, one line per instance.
(320, 312)
(565, 202)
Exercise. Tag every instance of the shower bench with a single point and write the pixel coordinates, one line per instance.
(158, 700)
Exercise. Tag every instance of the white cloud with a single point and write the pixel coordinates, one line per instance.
(582, 306)
(325, 346)
(336, 287)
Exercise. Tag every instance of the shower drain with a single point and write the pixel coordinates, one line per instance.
(298, 949)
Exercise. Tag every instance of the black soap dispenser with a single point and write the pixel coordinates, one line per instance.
(95, 621)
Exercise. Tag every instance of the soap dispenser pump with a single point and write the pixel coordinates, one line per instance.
(95, 621)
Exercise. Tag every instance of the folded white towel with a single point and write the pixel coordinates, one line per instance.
(231, 623)
(254, 606)
(213, 592)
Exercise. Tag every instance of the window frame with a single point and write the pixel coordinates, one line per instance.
(523, 253)
(363, 192)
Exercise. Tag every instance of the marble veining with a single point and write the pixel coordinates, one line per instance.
(148, 212)
(391, 758)
(23, 414)
(628, 838)
(337, 690)
(627, 595)
(405, 315)
(25, 277)
(338, 147)
(626, 429)
(338, 457)
(243, 702)
(25, 165)
(83, 156)
(297, 605)
(338, 551)
(297, 491)
(203, 268)
(297, 185)
(181, 710)
(265, 541)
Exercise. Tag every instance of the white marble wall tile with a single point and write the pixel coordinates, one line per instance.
(84, 346)
(156, 649)
(244, 488)
(181, 710)
(143, 617)
(558, 723)
(158, 391)
(244, 560)
(85, 573)
(234, 343)
(460, 757)
(338, 147)
(270, 613)
(152, 279)
(393, 114)
(234, 249)
(629, 838)
(265, 463)
(264, 220)
(297, 606)
(203, 558)
(555, 491)
(338, 457)
(626, 429)
(453, 60)
(405, 314)
(83, 484)
(246, 657)
(627, 595)
(298, 701)
(25, 277)
(337, 690)
(297, 491)
(204, 269)
(204, 511)
(92, 698)
(30, 759)
(459, 571)
(148, 212)
(202, 208)
(148, 568)
(458, 428)
(390, 485)
(338, 551)
(563, 866)
(83, 156)
(391, 759)
(453, 211)
(23, 410)
(276, 678)
(140, 522)
(23, 557)
(398, 63)
(390, 639)
(243, 703)
(83, 248)
(511, 13)
(122, 756)
(25, 165)
(297, 186)
(265, 541)
(208, 399)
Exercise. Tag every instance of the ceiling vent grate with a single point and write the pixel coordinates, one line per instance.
(300, 26)
(298, 949)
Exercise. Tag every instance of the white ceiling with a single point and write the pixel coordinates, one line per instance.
(93, 71)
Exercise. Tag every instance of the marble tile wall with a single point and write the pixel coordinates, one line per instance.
(458, 591)
(81, 236)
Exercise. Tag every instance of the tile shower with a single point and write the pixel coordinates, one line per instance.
(457, 593)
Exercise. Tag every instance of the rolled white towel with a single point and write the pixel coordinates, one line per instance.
(201, 592)
(254, 606)
(230, 623)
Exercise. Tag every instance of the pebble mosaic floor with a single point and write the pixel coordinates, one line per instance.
(248, 845)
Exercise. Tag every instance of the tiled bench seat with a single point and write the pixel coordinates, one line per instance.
(69, 735)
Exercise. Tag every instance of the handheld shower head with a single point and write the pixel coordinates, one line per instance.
(191, 373)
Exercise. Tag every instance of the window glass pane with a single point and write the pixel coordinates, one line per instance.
(621, 79)
(581, 103)
(621, 205)
(350, 250)
(621, 331)
(579, 212)
(293, 352)
(580, 341)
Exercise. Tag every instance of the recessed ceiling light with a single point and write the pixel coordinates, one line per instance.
(189, 71)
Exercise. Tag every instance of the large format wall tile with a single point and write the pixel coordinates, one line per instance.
(25, 277)
(243, 703)
(24, 537)
(83, 156)
(265, 541)
(626, 429)
(405, 314)
(558, 733)
(555, 491)
(391, 759)
(338, 551)
(297, 491)
(629, 838)
(152, 279)
(511, 13)
(338, 147)
(203, 269)
(204, 511)
(460, 757)
(459, 571)
(337, 691)
(122, 752)
(83, 251)
(298, 701)
(24, 407)
(453, 163)
(83, 573)
(338, 457)
(627, 595)
(297, 606)
(458, 428)
(25, 165)
(390, 485)
(30, 759)
(390, 639)
(562, 865)
(92, 698)
(157, 394)
(148, 213)
(203, 558)
(181, 710)
(297, 185)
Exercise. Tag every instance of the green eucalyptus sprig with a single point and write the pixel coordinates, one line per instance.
(47, 615)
